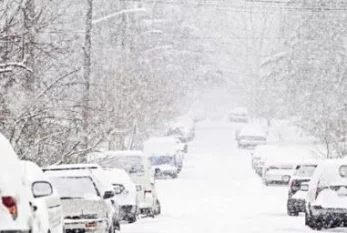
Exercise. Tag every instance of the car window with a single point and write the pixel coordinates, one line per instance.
(305, 170)
(74, 187)
(131, 164)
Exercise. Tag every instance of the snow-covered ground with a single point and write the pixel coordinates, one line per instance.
(218, 192)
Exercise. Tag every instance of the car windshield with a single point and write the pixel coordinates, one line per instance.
(74, 187)
(160, 160)
(305, 170)
(131, 164)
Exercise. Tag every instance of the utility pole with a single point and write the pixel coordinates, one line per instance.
(87, 63)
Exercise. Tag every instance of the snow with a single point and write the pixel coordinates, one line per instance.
(217, 191)
(160, 146)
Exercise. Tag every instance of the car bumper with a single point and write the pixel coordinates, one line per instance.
(87, 225)
(277, 178)
(297, 205)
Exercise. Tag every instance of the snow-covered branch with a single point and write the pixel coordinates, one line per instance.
(107, 17)
(9, 67)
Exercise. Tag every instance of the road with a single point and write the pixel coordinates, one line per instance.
(218, 192)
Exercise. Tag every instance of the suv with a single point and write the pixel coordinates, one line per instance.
(327, 196)
(16, 210)
(296, 197)
(85, 200)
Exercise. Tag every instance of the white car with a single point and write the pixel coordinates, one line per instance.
(260, 155)
(164, 156)
(16, 210)
(239, 115)
(184, 127)
(85, 200)
(49, 208)
(125, 193)
(136, 164)
(277, 171)
(326, 200)
(251, 137)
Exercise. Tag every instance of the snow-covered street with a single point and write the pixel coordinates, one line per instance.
(219, 192)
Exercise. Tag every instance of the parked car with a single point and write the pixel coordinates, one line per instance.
(125, 193)
(184, 127)
(165, 156)
(326, 201)
(86, 201)
(138, 167)
(46, 199)
(251, 137)
(278, 171)
(296, 197)
(260, 155)
(239, 115)
(16, 209)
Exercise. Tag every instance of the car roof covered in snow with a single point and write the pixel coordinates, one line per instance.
(290, 154)
(253, 130)
(328, 172)
(118, 175)
(160, 146)
(79, 166)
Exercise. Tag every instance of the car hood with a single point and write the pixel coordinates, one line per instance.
(84, 209)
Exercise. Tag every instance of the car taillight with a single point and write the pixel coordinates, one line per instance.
(319, 189)
(11, 205)
(148, 191)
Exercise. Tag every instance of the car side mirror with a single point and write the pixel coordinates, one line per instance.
(108, 194)
(41, 189)
(304, 187)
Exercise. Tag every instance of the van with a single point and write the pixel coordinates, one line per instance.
(16, 209)
(48, 203)
(326, 200)
(165, 156)
(138, 167)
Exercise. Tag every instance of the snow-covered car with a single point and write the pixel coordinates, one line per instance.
(164, 155)
(296, 197)
(239, 115)
(85, 201)
(46, 199)
(16, 210)
(260, 154)
(136, 164)
(326, 200)
(277, 171)
(184, 127)
(125, 193)
(251, 137)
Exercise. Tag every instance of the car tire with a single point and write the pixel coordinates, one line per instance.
(158, 211)
(174, 176)
(132, 219)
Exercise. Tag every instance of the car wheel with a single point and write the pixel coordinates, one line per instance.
(158, 211)
(132, 219)
(174, 176)
(316, 224)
